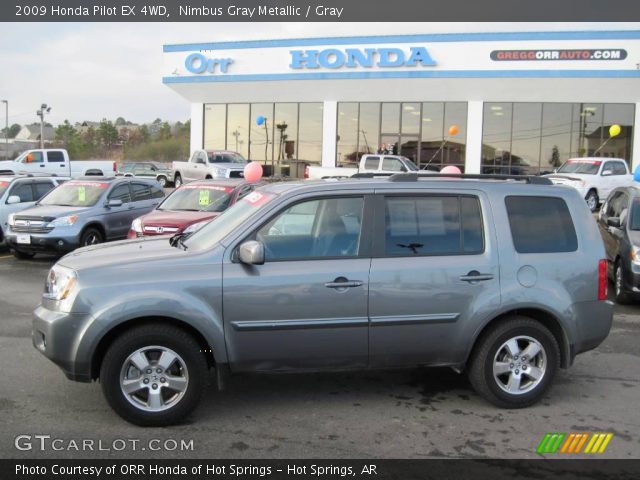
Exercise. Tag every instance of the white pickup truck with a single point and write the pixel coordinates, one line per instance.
(593, 177)
(371, 163)
(205, 164)
(55, 161)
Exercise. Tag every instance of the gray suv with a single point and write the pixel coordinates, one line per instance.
(81, 212)
(503, 279)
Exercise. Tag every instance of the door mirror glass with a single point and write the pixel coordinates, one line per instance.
(114, 202)
(13, 199)
(251, 253)
(613, 222)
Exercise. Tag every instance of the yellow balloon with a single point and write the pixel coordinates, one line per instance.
(614, 130)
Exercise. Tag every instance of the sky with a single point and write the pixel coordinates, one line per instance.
(91, 71)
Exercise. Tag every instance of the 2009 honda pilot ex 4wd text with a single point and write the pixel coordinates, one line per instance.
(503, 279)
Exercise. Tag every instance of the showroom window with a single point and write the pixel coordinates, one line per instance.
(532, 138)
(290, 138)
(419, 131)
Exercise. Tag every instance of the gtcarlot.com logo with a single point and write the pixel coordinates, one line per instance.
(574, 443)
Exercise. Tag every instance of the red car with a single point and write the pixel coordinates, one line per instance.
(191, 206)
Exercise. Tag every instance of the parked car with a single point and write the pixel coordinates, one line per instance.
(209, 164)
(593, 177)
(191, 206)
(79, 213)
(619, 222)
(20, 192)
(503, 279)
(55, 161)
(380, 163)
(162, 173)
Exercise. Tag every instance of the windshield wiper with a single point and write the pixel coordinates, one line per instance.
(177, 240)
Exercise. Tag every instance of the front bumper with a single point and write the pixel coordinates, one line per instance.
(44, 242)
(57, 336)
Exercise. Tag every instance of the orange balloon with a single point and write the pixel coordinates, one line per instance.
(453, 130)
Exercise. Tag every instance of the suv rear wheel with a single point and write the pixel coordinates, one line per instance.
(514, 363)
(154, 375)
(621, 296)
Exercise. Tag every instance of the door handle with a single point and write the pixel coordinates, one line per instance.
(476, 276)
(42, 166)
(342, 282)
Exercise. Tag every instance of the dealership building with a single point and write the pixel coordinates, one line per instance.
(520, 102)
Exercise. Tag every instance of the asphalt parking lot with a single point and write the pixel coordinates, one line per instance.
(402, 414)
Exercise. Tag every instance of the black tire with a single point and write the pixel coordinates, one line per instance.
(177, 181)
(165, 336)
(621, 296)
(91, 236)
(162, 181)
(488, 348)
(592, 200)
(23, 255)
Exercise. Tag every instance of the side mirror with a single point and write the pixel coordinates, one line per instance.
(613, 222)
(606, 173)
(114, 202)
(13, 199)
(251, 253)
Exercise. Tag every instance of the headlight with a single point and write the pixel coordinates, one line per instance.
(195, 227)
(635, 256)
(11, 219)
(60, 282)
(136, 225)
(63, 221)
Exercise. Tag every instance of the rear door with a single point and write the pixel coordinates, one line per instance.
(145, 198)
(434, 270)
(57, 163)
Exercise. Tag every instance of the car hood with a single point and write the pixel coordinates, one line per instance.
(8, 164)
(124, 252)
(176, 218)
(51, 211)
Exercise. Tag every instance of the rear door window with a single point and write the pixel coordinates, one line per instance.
(541, 224)
(371, 163)
(55, 156)
(121, 192)
(141, 191)
(42, 188)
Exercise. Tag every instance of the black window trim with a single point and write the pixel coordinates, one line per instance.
(109, 197)
(379, 239)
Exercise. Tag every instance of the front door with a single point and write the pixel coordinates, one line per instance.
(306, 307)
(432, 271)
(118, 219)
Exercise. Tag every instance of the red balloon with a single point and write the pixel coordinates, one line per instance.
(252, 172)
(453, 130)
(450, 169)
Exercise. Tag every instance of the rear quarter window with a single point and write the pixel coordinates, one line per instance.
(541, 224)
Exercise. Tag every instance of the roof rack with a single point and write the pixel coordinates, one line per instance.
(414, 176)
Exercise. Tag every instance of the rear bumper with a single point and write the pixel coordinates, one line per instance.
(593, 323)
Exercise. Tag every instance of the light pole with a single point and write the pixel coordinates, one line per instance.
(6, 130)
(44, 108)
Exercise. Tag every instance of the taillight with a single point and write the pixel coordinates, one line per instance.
(306, 171)
(115, 167)
(602, 280)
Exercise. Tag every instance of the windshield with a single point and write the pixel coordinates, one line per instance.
(3, 187)
(226, 157)
(207, 198)
(589, 167)
(232, 218)
(75, 194)
(410, 165)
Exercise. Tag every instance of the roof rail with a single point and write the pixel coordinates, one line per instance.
(414, 176)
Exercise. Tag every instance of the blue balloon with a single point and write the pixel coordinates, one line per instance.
(260, 120)
(636, 174)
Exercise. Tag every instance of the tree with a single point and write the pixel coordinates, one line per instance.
(107, 133)
(65, 132)
(120, 122)
(144, 134)
(554, 161)
(165, 131)
(13, 130)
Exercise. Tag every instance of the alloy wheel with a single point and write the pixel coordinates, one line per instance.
(519, 365)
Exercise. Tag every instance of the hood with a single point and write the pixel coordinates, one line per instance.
(176, 218)
(50, 212)
(124, 252)
(568, 177)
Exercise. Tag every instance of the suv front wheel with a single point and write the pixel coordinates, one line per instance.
(154, 375)
(514, 363)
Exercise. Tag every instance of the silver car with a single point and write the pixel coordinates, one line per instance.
(505, 280)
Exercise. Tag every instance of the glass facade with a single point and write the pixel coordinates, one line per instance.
(289, 139)
(419, 131)
(531, 138)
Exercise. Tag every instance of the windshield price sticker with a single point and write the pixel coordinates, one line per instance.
(204, 197)
(595, 162)
(82, 194)
(210, 187)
